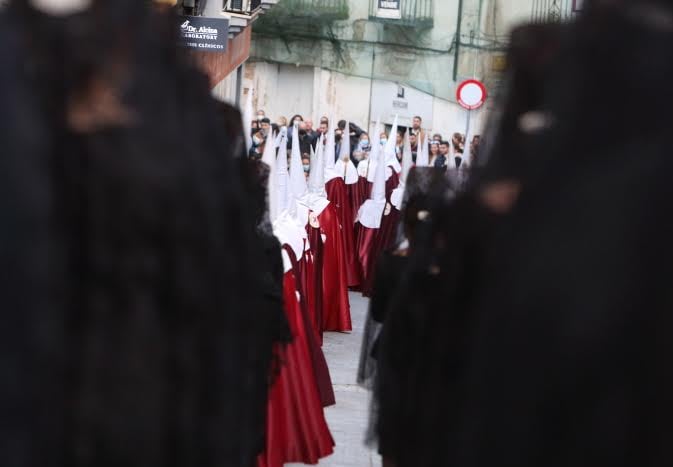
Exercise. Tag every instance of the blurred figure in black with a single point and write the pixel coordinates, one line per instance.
(422, 184)
(573, 347)
(154, 345)
(24, 288)
(426, 337)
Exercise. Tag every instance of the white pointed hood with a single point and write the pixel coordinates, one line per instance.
(287, 226)
(423, 155)
(407, 158)
(330, 153)
(371, 212)
(282, 177)
(375, 157)
(363, 168)
(247, 121)
(397, 196)
(316, 198)
(344, 166)
(269, 158)
(389, 154)
(315, 178)
(297, 177)
(288, 232)
(297, 184)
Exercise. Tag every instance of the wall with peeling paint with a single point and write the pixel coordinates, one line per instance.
(330, 70)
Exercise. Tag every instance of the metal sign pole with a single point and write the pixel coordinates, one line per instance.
(467, 126)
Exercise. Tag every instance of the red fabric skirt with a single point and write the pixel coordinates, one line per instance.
(296, 429)
(367, 257)
(336, 304)
(338, 194)
(320, 368)
(373, 242)
(364, 191)
(316, 299)
(359, 193)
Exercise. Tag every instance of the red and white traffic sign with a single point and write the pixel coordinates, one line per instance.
(471, 94)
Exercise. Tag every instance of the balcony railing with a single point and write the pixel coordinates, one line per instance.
(324, 10)
(409, 13)
(242, 7)
(553, 10)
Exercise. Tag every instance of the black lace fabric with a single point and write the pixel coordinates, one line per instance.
(539, 334)
(158, 324)
(426, 340)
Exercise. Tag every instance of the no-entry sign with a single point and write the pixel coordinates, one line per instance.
(471, 94)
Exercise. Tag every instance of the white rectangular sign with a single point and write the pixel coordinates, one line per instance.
(390, 99)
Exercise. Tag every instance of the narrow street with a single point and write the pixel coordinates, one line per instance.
(348, 419)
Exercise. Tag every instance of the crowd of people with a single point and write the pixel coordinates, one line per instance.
(443, 153)
(170, 273)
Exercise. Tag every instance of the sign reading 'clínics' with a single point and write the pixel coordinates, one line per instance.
(204, 34)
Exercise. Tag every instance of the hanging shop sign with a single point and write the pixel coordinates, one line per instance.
(389, 9)
(471, 94)
(204, 34)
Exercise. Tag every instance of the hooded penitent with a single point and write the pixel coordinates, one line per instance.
(298, 186)
(344, 165)
(304, 269)
(371, 214)
(296, 430)
(326, 237)
(336, 175)
(285, 225)
(373, 241)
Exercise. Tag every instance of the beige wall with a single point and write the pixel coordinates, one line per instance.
(313, 90)
(285, 90)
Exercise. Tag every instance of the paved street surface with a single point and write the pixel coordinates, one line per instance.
(348, 419)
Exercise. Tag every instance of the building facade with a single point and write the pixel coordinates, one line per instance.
(364, 59)
(225, 69)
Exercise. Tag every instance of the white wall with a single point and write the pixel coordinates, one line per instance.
(286, 90)
(226, 89)
(280, 90)
(313, 92)
(449, 118)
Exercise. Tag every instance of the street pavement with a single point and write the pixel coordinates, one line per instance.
(348, 419)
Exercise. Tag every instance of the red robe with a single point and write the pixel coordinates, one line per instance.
(358, 194)
(322, 375)
(362, 192)
(390, 222)
(373, 242)
(336, 304)
(337, 193)
(296, 429)
(316, 303)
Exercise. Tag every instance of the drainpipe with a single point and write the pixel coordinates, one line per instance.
(458, 32)
(371, 90)
(212, 8)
